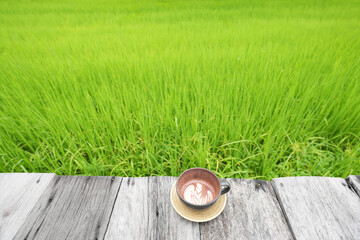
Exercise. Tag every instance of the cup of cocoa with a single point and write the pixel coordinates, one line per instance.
(200, 188)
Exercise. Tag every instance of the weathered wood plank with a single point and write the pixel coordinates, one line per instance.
(169, 224)
(72, 207)
(252, 212)
(143, 211)
(19, 193)
(354, 181)
(131, 217)
(319, 207)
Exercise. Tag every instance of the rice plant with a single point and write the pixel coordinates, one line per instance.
(250, 89)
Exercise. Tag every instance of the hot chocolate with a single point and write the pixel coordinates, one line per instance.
(198, 192)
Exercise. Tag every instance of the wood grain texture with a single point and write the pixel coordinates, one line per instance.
(143, 211)
(319, 207)
(72, 207)
(252, 212)
(354, 182)
(19, 193)
(169, 224)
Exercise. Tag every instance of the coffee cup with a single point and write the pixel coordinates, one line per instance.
(200, 188)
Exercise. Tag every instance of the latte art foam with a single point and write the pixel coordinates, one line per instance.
(197, 193)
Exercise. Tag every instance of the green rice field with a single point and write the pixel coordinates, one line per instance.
(248, 89)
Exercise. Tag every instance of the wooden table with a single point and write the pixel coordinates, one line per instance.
(46, 206)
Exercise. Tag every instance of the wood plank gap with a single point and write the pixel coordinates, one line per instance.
(200, 237)
(282, 209)
(350, 186)
(157, 205)
(354, 183)
(112, 209)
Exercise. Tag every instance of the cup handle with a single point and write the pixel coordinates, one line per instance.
(225, 186)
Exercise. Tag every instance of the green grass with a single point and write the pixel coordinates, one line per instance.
(250, 89)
